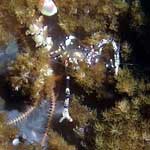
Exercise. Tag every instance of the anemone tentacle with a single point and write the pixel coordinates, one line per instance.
(22, 116)
(50, 115)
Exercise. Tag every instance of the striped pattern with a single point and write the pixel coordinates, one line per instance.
(50, 115)
(21, 117)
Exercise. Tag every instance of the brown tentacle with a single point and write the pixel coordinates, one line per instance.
(50, 115)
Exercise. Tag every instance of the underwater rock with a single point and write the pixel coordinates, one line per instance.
(7, 53)
(28, 128)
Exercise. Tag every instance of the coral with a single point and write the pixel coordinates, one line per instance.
(126, 51)
(137, 16)
(90, 17)
(7, 133)
(84, 113)
(56, 142)
(29, 74)
(90, 78)
(125, 82)
(122, 128)
(24, 10)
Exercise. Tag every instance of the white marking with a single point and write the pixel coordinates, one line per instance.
(15, 142)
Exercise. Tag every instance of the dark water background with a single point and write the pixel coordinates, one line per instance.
(146, 7)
